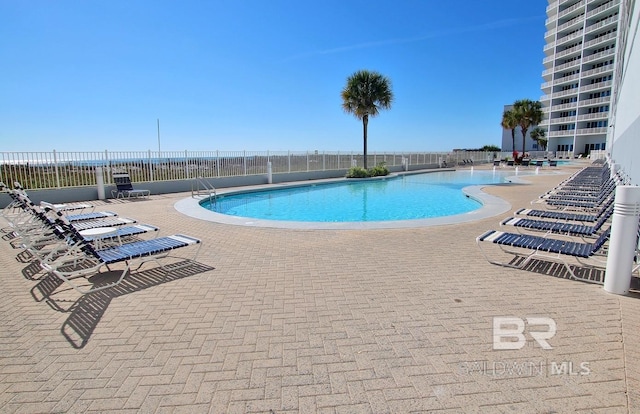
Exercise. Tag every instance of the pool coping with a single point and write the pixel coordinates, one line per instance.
(491, 206)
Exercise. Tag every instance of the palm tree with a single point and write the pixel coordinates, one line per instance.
(509, 121)
(527, 113)
(364, 95)
(539, 135)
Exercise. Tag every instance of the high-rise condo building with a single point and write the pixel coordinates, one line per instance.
(582, 38)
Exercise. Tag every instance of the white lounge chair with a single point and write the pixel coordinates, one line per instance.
(82, 259)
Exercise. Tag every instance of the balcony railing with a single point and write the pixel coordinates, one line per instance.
(601, 24)
(569, 133)
(564, 120)
(569, 51)
(599, 85)
(601, 39)
(591, 131)
(560, 107)
(559, 94)
(571, 9)
(572, 22)
(596, 56)
(603, 8)
(550, 20)
(596, 71)
(569, 37)
(595, 101)
(563, 2)
(571, 64)
(549, 46)
(597, 115)
(566, 79)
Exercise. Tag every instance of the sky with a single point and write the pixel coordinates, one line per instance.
(257, 75)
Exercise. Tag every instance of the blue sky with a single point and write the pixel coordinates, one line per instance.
(255, 75)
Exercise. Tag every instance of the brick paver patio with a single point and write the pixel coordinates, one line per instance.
(336, 321)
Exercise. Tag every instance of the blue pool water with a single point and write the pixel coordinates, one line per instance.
(406, 197)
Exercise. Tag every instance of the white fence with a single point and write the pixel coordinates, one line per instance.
(40, 170)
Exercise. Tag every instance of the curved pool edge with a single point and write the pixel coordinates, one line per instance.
(491, 206)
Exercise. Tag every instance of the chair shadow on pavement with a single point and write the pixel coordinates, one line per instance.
(555, 269)
(588, 274)
(86, 312)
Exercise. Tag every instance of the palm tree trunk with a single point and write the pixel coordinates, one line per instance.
(513, 140)
(524, 138)
(365, 122)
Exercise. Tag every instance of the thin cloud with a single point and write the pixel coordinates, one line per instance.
(498, 24)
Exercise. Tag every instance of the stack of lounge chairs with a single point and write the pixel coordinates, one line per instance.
(75, 241)
(571, 225)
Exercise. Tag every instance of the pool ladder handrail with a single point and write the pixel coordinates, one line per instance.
(201, 185)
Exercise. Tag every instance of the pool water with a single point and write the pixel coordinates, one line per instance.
(407, 197)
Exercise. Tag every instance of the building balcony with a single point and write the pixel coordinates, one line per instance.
(605, 8)
(568, 92)
(549, 35)
(595, 101)
(579, 20)
(599, 40)
(596, 71)
(573, 10)
(560, 81)
(567, 65)
(566, 79)
(561, 133)
(611, 21)
(594, 86)
(564, 120)
(569, 37)
(570, 51)
(591, 131)
(566, 106)
(589, 117)
(552, 8)
(549, 47)
(606, 53)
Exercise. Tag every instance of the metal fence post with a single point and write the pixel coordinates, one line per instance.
(186, 164)
(244, 161)
(55, 164)
(217, 163)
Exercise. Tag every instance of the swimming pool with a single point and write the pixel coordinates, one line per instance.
(411, 197)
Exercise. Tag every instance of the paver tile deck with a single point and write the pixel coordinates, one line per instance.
(283, 320)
